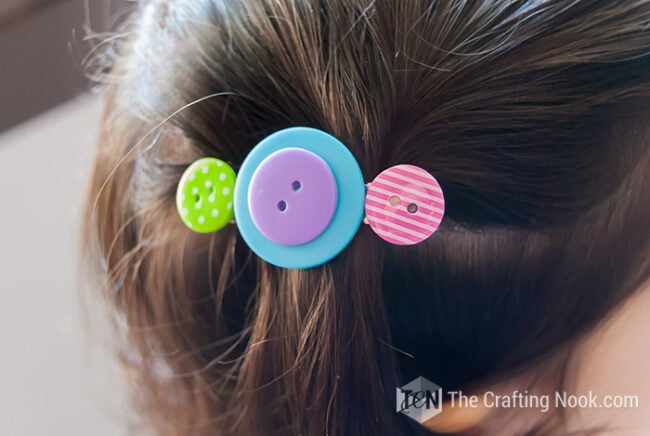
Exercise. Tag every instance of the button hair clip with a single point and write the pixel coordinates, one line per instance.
(300, 198)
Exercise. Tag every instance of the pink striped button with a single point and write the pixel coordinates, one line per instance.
(404, 205)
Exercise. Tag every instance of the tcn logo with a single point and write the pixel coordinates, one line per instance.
(420, 399)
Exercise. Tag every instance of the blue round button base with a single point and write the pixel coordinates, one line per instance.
(349, 210)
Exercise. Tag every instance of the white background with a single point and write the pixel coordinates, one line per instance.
(54, 379)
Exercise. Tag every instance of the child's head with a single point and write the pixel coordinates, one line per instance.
(533, 117)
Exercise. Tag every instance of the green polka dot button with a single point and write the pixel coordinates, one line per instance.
(204, 197)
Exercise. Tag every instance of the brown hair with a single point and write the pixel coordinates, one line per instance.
(529, 113)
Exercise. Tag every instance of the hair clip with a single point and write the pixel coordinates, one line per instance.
(300, 198)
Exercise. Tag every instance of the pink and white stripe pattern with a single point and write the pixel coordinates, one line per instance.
(404, 205)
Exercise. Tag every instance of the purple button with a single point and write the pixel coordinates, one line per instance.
(292, 196)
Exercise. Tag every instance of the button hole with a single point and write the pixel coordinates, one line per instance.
(282, 206)
(296, 185)
(197, 198)
(412, 208)
(394, 200)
